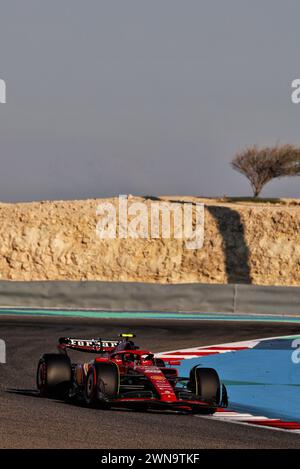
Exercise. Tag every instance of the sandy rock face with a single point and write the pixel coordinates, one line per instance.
(244, 243)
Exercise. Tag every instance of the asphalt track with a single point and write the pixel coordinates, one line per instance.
(28, 421)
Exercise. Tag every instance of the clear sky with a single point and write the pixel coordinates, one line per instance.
(108, 97)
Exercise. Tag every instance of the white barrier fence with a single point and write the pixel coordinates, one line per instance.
(133, 296)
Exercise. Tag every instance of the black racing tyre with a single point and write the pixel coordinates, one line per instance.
(224, 399)
(102, 384)
(53, 377)
(205, 384)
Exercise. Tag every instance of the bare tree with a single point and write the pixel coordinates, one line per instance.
(261, 165)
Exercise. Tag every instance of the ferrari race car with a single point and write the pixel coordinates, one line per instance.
(123, 375)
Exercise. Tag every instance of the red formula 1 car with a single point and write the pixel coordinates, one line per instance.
(123, 375)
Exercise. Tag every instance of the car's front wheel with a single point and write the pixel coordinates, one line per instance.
(205, 384)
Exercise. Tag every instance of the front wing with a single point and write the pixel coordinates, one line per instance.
(155, 403)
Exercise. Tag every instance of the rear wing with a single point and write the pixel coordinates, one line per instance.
(88, 345)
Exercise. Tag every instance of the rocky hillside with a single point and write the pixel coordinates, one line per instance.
(243, 242)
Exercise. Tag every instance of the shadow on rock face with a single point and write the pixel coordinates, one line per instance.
(232, 230)
(236, 250)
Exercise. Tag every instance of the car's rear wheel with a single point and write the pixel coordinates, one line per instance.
(53, 377)
(205, 384)
(101, 384)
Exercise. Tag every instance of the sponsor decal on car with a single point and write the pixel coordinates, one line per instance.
(157, 378)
